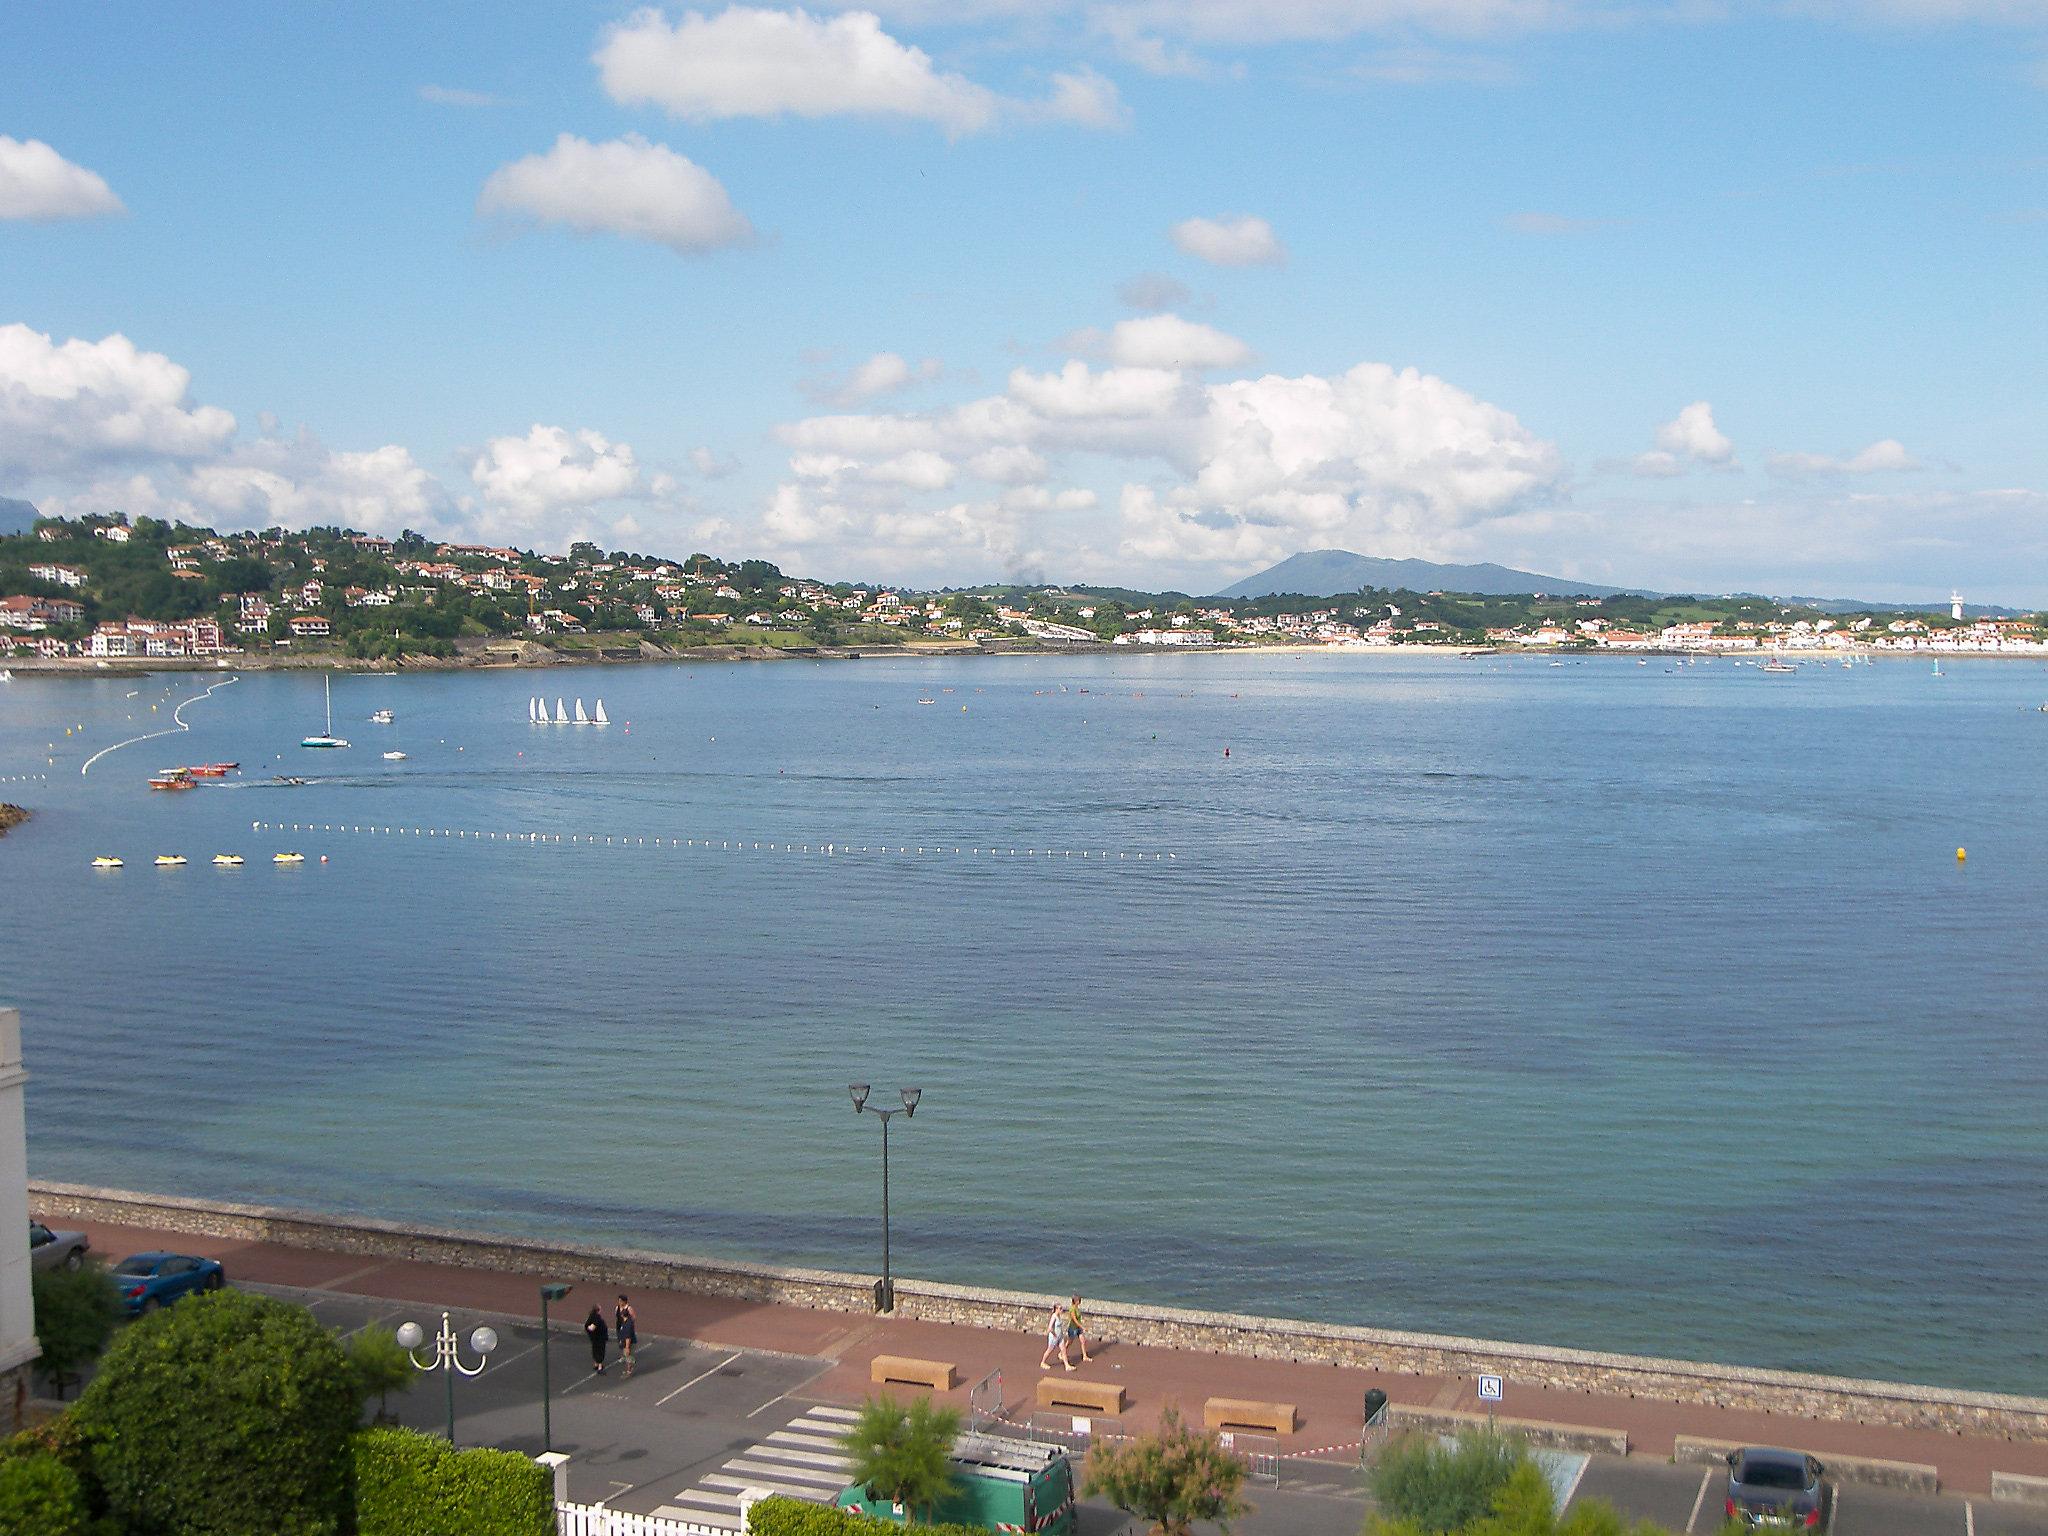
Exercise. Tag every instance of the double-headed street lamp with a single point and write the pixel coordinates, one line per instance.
(885, 1293)
(447, 1356)
(552, 1290)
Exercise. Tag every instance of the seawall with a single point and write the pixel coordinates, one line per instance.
(1794, 1393)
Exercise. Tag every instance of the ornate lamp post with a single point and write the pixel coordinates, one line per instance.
(447, 1356)
(885, 1293)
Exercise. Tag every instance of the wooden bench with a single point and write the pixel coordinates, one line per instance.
(1106, 1397)
(939, 1375)
(1243, 1413)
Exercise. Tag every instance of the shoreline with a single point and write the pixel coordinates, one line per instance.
(525, 659)
(11, 816)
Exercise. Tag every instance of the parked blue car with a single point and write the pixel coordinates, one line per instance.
(152, 1280)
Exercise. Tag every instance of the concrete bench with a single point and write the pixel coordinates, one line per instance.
(939, 1375)
(2018, 1487)
(1537, 1432)
(1244, 1413)
(1105, 1397)
(1912, 1476)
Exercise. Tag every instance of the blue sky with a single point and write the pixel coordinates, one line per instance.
(1713, 296)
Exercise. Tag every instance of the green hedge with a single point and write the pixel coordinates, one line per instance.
(794, 1517)
(39, 1494)
(409, 1484)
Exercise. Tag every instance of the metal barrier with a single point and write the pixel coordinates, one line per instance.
(985, 1402)
(1259, 1453)
(1374, 1439)
(1074, 1432)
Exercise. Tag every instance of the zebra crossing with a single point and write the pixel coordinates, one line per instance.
(801, 1460)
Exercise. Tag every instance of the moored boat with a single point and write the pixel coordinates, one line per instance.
(326, 738)
(227, 859)
(106, 861)
(287, 858)
(170, 860)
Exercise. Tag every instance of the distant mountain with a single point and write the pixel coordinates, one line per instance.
(1328, 572)
(17, 516)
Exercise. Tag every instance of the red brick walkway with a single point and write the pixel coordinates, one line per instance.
(1328, 1397)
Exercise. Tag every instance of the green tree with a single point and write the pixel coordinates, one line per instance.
(76, 1312)
(1436, 1488)
(381, 1367)
(226, 1414)
(39, 1493)
(1173, 1477)
(904, 1454)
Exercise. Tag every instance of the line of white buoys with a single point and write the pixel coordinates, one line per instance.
(25, 778)
(724, 845)
(177, 717)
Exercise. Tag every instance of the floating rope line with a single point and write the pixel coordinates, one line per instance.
(718, 845)
(177, 717)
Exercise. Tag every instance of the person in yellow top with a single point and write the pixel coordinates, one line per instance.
(1077, 1331)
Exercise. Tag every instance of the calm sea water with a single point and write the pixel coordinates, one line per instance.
(1627, 1007)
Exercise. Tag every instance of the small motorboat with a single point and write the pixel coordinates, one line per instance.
(394, 757)
(212, 770)
(106, 861)
(290, 780)
(382, 717)
(169, 860)
(287, 858)
(227, 860)
(172, 778)
(927, 701)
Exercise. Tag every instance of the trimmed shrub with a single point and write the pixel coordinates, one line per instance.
(1438, 1488)
(1172, 1477)
(381, 1365)
(63, 1438)
(795, 1517)
(76, 1312)
(410, 1484)
(39, 1493)
(225, 1414)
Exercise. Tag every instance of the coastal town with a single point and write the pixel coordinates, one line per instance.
(102, 589)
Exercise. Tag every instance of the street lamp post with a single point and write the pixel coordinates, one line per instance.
(552, 1291)
(885, 1294)
(447, 1356)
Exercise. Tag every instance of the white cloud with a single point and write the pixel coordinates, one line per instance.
(1167, 341)
(297, 483)
(551, 468)
(623, 187)
(883, 374)
(747, 62)
(1008, 464)
(1689, 439)
(712, 466)
(77, 403)
(1887, 455)
(38, 183)
(1239, 242)
(1113, 394)
(1085, 99)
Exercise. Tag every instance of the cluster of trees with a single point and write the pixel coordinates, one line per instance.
(232, 1413)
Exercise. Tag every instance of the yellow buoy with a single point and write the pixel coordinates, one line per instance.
(1962, 854)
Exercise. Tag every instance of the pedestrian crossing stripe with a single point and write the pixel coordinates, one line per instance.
(807, 1458)
(827, 1475)
(791, 1490)
(803, 1459)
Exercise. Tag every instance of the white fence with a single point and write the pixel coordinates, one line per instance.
(596, 1520)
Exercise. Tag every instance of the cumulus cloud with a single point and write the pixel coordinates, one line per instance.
(1085, 99)
(626, 187)
(883, 374)
(1690, 439)
(747, 62)
(77, 403)
(38, 183)
(1887, 455)
(1167, 341)
(551, 468)
(712, 466)
(1238, 242)
(298, 483)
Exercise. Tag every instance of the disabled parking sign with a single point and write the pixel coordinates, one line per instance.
(1489, 1389)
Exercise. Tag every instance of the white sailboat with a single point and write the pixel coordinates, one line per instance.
(581, 718)
(533, 709)
(561, 714)
(600, 718)
(326, 738)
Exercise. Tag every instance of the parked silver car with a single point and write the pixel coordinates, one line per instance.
(55, 1250)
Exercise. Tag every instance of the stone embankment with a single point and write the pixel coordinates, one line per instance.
(11, 816)
(1791, 1393)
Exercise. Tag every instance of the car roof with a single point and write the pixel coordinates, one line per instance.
(153, 1255)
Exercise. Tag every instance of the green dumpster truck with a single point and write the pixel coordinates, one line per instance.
(1000, 1484)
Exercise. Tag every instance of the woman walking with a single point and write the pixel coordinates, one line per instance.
(1055, 1338)
(1077, 1332)
(599, 1335)
(626, 1325)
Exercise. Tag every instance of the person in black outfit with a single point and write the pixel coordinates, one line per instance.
(600, 1336)
(627, 1325)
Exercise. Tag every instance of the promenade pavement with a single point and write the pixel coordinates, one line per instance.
(828, 1354)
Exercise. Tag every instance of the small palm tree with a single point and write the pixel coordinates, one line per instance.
(904, 1455)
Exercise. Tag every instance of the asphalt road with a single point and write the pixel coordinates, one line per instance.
(638, 1443)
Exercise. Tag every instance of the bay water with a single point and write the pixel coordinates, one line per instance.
(1632, 1007)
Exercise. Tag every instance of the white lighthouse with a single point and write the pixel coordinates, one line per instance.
(1955, 604)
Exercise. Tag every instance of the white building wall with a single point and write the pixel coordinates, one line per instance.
(17, 1309)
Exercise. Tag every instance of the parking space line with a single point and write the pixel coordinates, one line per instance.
(1969, 1518)
(1577, 1478)
(1834, 1509)
(1699, 1500)
(728, 1360)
